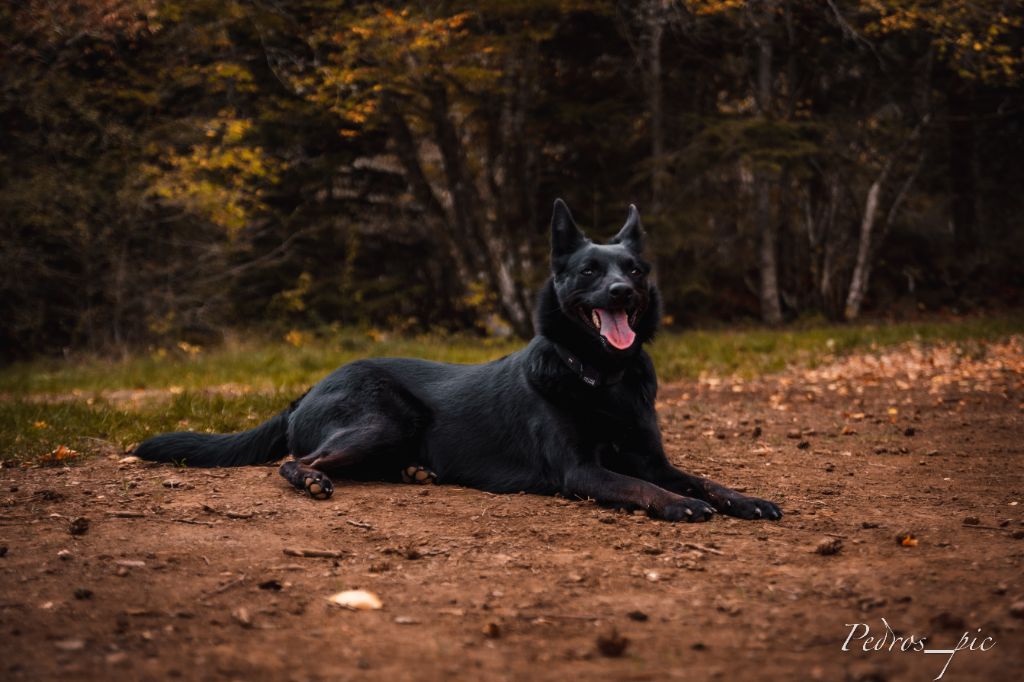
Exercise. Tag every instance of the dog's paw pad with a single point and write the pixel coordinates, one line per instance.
(318, 486)
(417, 474)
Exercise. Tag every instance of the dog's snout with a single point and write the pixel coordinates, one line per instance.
(621, 292)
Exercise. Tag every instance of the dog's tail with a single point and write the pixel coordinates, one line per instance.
(265, 443)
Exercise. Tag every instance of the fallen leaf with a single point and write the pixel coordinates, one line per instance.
(357, 600)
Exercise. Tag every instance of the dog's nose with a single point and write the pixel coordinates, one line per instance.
(620, 292)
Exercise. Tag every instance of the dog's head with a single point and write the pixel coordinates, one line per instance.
(603, 290)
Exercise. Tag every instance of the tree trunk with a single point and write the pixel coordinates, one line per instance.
(484, 237)
(771, 309)
(657, 30)
(862, 268)
(962, 185)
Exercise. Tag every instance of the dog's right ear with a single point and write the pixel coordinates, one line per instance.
(566, 237)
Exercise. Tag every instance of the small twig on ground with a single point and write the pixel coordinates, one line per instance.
(359, 524)
(703, 548)
(225, 587)
(981, 527)
(125, 514)
(314, 553)
(560, 616)
(230, 514)
(193, 522)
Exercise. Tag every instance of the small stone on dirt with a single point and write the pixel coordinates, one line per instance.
(1017, 609)
(612, 644)
(117, 658)
(173, 483)
(70, 644)
(83, 593)
(406, 620)
(638, 616)
(971, 521)
(79, 526)
(491, 630)
(65, 555)
(909, 431)
(804, 444)
(130, 563)
(242, 617)
(272, 584)
(829, 546)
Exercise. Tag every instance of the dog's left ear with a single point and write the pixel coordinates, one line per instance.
(632, 233)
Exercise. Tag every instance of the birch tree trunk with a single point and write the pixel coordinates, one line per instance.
(862, 268)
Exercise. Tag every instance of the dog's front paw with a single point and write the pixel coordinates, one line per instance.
(687, 509)
(750, 508)
(317, 485)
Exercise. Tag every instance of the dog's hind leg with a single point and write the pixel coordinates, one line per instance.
(417, 474)
(345, 447)
(304, 477)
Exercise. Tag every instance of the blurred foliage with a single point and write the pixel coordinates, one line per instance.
(173, 169)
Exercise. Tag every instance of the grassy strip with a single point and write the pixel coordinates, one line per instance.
(30, 431)
(677, 355)
(51, 403)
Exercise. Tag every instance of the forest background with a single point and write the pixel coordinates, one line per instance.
(170, 171)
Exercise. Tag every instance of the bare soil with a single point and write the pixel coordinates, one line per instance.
(184, 574)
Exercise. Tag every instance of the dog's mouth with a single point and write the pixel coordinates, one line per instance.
(614, 326)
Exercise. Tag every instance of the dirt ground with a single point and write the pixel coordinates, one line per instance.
(184, 573)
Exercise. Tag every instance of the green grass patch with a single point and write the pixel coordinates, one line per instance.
(86, 403)
(31, 430)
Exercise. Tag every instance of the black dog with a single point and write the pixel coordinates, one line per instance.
(572, 413)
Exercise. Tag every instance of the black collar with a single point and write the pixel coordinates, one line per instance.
(591, 376)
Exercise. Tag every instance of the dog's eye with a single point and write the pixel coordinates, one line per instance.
(587, 272)
(636, 272)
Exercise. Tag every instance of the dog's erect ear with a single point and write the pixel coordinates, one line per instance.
(566, 237)
(632, 233)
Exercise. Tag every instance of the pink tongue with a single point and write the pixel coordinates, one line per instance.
(615, 328)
